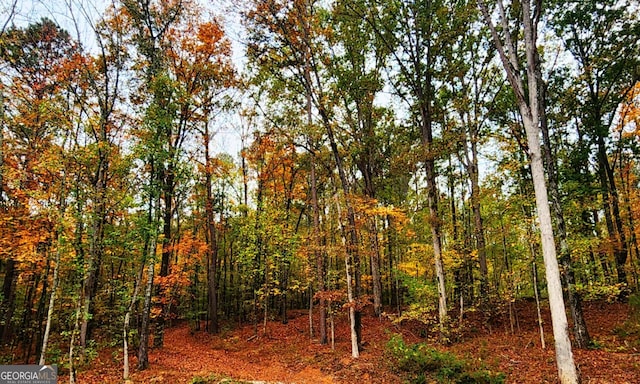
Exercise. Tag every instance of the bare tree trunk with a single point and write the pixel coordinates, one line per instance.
(477, 218)
(633, 240)
(143, 350)
(319, 253)
(125, 327)
(212, 271)
(311, 330)
(432, 197)
(7, 306)
(52, 299)
(375, 266)
(163, 292)
(529, 111)
(534, 272)
(72, 342)
(313, 86)
(96, 249)
(355, 350)
(612, 211)
(581, 335)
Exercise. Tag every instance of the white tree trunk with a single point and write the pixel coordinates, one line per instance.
(125, 326)
(529, 110)
(355, 351)
(52, 300)
(564, 356)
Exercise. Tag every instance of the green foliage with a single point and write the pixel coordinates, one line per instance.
(421, 297)
(630, 330)
(634, 307)
(601, 291)
(423, 364)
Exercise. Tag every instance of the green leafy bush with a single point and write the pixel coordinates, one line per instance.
(423, 364)
(630, 329)
(599, 291)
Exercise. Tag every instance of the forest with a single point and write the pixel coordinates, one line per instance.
(285, 167)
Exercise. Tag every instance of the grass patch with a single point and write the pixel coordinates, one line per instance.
(629, 331)
(423, 364)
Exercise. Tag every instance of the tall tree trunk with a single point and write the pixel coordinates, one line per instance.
(72, 342)
(564, 356)
(167, 251)
(126, 323)
(375, 266)
(528, 105)
(581, 334)
(153, 217)
(317, 249)
(351, 236)
(143, 349)
(432, 197)
(534, 272)
(89, 291)
(351, 297)
(633, 239)
(96, 242)
(52, 299)
(212, 272)
(478, 224)
(313, 82)
(8, 300)
(612, 205)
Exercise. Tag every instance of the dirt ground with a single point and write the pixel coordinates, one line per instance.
(287, 354)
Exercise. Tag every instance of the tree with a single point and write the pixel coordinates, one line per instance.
(581, 334)
(603, 39)
(166, 129)
(295, 34)
(415, 33)
(473, 88)
(36, 57)
(358, 73)
(203, 71)
(528, 104)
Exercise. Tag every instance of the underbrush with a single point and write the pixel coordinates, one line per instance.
(422, 364)
(630, 329)
(215, 379)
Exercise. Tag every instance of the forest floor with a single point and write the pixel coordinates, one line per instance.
(286, 353)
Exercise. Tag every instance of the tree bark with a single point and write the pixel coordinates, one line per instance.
(212, 271)
(318, 252)
(96, 244)
(8, 300)
(432, 197)
(529, 111)
(612, 206)
(478, 228)
(52, 299)
(143, 350)
(580, 332)
(125, 326)
(375, 266)
(150, 249)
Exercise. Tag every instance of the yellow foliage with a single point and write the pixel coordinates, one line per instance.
(629, 113)
(413, 268)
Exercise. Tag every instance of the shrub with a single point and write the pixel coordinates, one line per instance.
(423, 364)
